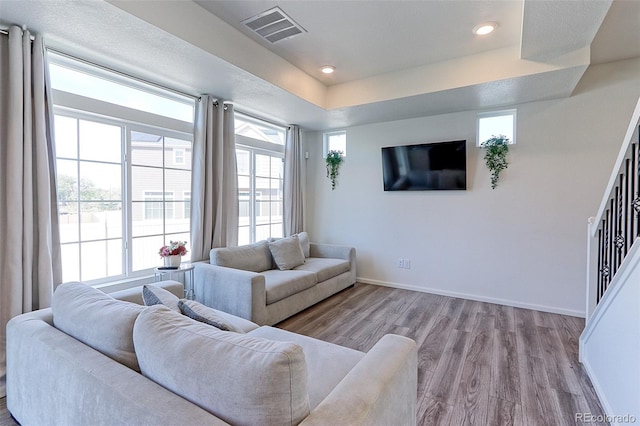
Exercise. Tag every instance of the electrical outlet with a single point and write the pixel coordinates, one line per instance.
(400, 263)
(407, 264)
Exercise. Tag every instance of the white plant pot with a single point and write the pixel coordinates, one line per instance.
(172, 260)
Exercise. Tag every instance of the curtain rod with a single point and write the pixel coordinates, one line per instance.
(273, 123)
(5, 30)
(189, 95)
(122, 74)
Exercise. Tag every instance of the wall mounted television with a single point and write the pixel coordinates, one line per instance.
(425, 167)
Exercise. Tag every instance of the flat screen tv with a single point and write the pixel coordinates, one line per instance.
(425, 167)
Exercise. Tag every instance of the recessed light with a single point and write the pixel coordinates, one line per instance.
(328, 69)
(485, 28)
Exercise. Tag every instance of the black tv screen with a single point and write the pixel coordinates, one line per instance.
(425, 167)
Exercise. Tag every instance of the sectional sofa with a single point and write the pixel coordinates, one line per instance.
(271, 280)
(95, 360)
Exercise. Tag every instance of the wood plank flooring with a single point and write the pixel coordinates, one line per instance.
(478, 363)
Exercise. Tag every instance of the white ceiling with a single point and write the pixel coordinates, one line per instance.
(363, 39)
(394, 59)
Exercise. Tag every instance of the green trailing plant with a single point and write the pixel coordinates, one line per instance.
(497, 148)
(334, 160)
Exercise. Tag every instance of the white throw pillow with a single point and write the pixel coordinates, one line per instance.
(287, 252)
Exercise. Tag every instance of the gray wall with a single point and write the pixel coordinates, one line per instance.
(522, 244)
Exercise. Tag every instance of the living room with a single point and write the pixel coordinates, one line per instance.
(520, 245)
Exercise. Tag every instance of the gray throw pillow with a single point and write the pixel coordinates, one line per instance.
(287, 252)
(153, 295)
(204, 314)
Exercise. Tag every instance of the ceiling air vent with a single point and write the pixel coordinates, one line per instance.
(273, 25)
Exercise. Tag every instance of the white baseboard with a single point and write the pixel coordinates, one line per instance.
(606, 407)
(478, 298)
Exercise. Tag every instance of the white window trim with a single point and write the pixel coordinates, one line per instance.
(325, 141)
(502, 113)
(111, 114)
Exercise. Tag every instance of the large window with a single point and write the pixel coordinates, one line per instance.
(260, 154)
(123, 174)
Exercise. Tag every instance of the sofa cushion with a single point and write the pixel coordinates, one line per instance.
(97, 320)
(287, 252)
(152, 295)
(239, 378)
(327, 364)
(325, 268)
(282, 284)
(197, 311)
(254, 257)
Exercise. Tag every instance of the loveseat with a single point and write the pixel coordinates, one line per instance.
(153, 366)
(268, 281)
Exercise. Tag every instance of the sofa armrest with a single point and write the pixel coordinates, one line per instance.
(240, 293)
(331, 251)
(380, 390)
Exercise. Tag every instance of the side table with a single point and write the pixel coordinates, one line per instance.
(160, 274)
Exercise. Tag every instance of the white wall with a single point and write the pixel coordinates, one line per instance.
(521, 244)
(610, 344)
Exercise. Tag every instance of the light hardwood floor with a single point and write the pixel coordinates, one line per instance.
(478, 363)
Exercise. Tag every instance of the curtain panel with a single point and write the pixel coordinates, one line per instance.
(30, 264)
(293, 220)
(214, 179)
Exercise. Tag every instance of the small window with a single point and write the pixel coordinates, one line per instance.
(335, 141)
(178, 156)
(494, 124)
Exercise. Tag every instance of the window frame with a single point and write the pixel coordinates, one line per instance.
(78, 107)
(492, 114)
(127, 127)
(258, 147)
(326, 142)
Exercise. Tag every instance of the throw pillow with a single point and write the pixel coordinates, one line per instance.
(153, 295)
(287, 252)
(303, 237)
(97, 320)
(204, 314)
(239, 378)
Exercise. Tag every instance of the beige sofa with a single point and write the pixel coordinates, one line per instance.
(246, 281)
(193, 373)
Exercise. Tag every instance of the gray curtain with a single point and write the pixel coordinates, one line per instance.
(214, 179)
(30, 263)
(293, 220)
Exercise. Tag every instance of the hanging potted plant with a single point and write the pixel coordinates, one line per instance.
(496, 156)
(334, 160)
